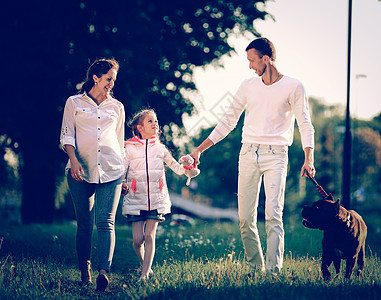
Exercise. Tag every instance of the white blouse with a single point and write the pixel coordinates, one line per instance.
(97, 134)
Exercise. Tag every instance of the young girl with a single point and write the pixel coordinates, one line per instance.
(148, 199)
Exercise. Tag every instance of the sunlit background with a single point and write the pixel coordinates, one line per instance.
(310, 38)
(179, 58)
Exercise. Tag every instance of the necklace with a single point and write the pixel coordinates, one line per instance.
(278, 77)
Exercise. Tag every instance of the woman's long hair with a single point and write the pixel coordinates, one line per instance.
(98, 68)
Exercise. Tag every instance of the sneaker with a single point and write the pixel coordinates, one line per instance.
(143, 278)
(102, 282)
(85, 278)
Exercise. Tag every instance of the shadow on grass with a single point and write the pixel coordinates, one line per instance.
(43, 257)
(39, 242)
(272, 291)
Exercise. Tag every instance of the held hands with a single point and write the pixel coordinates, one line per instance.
(191, 169)
(195, 155)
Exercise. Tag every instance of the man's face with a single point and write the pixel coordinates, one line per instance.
(256, 61)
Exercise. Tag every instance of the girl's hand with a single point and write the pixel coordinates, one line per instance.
(125, 189)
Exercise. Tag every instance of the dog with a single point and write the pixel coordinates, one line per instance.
(344, 235)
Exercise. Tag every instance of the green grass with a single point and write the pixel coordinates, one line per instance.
(203, 261)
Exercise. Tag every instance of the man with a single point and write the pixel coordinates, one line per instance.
(271, 102)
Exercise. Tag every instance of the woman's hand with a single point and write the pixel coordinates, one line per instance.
(76, 170)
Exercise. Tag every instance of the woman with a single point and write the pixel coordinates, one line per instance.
(92, 135)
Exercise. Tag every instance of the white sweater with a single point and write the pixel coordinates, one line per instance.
(146, 176)
(270, 113)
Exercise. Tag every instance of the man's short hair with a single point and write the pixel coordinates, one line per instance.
(264, 46)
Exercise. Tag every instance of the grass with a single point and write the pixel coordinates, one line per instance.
(201, 261)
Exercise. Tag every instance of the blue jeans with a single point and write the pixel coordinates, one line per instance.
(102, 200)
(270, 163)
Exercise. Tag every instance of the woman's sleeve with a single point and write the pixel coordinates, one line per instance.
(172, 163)
(126, 159)
(68, 125)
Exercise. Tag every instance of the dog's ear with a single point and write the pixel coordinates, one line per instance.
(337, 205)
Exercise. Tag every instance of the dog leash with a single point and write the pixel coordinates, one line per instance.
(319, 188)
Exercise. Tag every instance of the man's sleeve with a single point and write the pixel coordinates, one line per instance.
(230, 119)
(303, 117)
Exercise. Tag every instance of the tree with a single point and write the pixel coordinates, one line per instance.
(218, 179)
(219, 165)
(367, 159)
(49, 45)
(328, 120)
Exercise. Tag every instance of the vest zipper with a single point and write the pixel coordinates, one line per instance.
(148, 193)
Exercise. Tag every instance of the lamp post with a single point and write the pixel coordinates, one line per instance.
(346, 186)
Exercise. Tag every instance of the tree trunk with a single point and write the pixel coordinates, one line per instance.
(38, 185)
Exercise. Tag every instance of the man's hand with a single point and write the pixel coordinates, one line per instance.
(308, 168)
(196, 153)
(196, 156)
(308, 165)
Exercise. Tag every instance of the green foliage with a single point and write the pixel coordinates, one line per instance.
(204, 261)
(367, 147)
(50, 44)
(219, 164)
(219, 168)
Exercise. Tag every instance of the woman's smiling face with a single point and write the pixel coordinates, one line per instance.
(105, 83)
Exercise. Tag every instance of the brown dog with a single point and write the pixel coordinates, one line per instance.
(344, 235)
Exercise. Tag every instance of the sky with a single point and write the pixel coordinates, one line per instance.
(311, 41)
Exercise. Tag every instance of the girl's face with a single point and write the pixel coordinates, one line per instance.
(150, 126)
(105, 83)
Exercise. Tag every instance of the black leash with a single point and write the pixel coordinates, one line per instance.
(319, 188)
